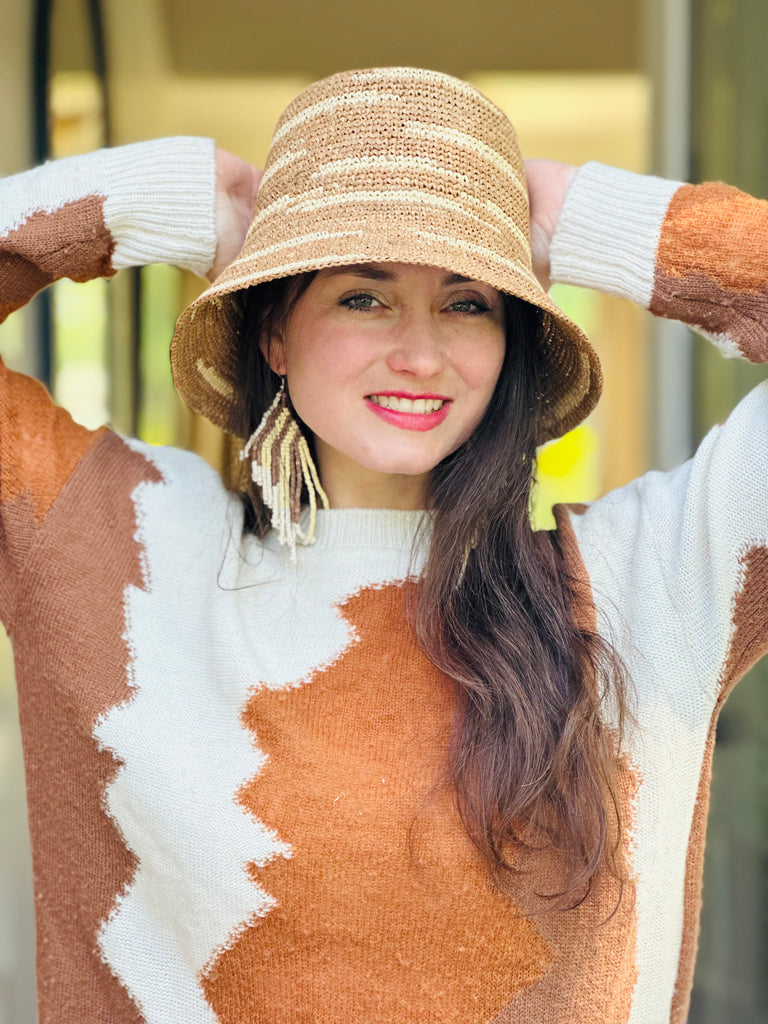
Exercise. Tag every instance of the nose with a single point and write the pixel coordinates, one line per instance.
(416, 348)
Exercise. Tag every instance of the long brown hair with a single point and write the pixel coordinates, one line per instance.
(530, 756)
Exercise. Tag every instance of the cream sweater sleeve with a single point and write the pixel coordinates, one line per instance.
(89, 216)
(696, 253)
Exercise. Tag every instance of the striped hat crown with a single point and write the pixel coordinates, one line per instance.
(387, 165)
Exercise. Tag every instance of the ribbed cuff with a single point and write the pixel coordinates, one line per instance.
(159, 205)
(609, 230)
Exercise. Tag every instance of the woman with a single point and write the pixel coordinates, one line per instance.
(376, 764)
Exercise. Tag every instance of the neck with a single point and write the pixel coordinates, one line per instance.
(349, 485)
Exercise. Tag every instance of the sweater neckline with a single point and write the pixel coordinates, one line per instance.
(365, 527)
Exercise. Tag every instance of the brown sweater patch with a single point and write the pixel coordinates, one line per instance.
(712, 265)
(40, 443)
(72, 668)
(384, 911)
(72, 241)
(750, 619)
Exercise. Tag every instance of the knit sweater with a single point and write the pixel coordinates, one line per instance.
(233, 762)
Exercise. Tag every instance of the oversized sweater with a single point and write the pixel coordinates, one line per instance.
(234, 762)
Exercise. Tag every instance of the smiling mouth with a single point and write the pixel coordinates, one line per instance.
(414, 406)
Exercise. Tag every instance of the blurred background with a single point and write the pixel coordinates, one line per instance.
(674, 87)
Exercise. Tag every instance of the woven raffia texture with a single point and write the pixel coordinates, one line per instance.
(388, 165)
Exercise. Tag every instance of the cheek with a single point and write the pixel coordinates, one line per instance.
(325, 370)
(483, 366)
(314, 377)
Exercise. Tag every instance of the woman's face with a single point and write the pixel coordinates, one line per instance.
(391, 366)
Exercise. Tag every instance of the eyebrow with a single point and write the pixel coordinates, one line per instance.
(379, 273)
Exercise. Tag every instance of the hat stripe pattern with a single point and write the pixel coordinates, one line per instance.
(476, 250)
(391, 163)
(216, 381)
(282, 162)
(388, 165)
(308, 203)
(331, 106)
(420, 79)
(318, 236)
(474, 145)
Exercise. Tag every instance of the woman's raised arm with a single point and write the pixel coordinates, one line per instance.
(167, 201)
(695, 253)
(171, 201)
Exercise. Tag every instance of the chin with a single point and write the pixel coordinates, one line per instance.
(401, 466)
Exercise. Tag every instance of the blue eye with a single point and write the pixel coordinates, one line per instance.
(471, 306)
(360, 301)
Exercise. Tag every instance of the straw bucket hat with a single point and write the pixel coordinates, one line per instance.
(387, 165)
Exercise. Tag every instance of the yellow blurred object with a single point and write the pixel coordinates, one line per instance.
(568, 471)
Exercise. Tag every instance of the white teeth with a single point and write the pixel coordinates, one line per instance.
(421, 406)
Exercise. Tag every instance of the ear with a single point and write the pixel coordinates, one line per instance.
(273, 349)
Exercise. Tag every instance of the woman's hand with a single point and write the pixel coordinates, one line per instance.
(548, 182)
(236, 185)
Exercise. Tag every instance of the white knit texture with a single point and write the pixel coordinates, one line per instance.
(173, 799)
(160, 203)
(608, 232)
(49, 187)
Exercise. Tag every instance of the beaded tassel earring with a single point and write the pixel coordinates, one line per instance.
(281, 464)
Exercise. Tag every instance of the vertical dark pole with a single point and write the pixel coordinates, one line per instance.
(96, 23)
(41, 149)
(134, 281)
(41, 65)
(137, 377)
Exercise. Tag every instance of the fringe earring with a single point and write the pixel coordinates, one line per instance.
(281, 465)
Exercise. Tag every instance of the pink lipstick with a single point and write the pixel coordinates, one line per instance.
(407, 419)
